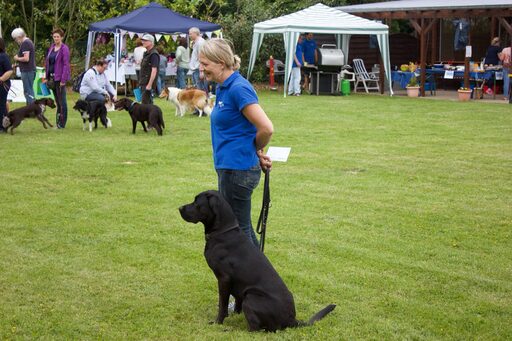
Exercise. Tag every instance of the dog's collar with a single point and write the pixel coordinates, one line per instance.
(209, 236)
(131, 106)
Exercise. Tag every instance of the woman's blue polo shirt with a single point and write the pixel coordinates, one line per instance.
(232, 134)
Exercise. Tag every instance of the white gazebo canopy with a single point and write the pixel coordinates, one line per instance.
(320, 19)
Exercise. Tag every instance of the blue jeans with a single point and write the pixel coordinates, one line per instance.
(198, 83)
(27, 77)
(506, 82)
(3, 103)
(181, 78)
(95, 96)
(236, 186)
(62, 104)
(160, 82)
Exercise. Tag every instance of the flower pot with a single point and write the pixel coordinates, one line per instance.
(413, 91)
(464, 95)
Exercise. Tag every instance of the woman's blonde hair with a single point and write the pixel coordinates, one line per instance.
(219, 51)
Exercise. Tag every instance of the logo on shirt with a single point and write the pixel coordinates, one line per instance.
(220, 104)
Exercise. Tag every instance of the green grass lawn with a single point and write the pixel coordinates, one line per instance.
(397, 210)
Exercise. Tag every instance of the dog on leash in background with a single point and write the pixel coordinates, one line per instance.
(187, 100)
(35, 109)
(142, 113)
(91, 111)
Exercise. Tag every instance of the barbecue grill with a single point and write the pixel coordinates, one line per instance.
(330, 59)
(330, 62)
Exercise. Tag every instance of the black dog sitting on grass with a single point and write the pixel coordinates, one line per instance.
(91, 111)
(242, 270)
(142, 113)
(35, 109)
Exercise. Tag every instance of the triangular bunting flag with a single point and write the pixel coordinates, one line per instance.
(131, 34)
(209, 35)
(158, 36)
(174, 37)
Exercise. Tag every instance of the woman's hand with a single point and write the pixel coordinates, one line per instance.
(265, 161)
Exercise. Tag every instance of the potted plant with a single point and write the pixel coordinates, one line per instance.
(464, 94)
(412, 88)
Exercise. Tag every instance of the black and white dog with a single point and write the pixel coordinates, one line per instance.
(91, 111)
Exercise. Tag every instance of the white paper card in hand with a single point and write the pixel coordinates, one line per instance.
(278, 153)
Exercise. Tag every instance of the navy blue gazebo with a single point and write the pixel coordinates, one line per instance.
(152, 18)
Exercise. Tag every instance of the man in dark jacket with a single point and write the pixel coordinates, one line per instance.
(148, 69)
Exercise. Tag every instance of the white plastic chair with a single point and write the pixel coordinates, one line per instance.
(345, 74)
(363, 76)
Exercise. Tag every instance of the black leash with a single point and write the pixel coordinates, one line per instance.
(261, 229)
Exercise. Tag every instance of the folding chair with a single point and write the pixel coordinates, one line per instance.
(362, 76)
(278, 67)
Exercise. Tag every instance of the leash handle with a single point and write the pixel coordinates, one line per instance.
(261, 228)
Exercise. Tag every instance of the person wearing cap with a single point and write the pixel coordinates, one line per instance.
(148, 69)
(26, 61)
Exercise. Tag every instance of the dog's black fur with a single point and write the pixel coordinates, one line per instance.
(91, 111)
(242, 270)
(32, 110)
(142, 113)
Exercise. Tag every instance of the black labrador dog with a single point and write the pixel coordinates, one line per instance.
(142, 113)
(91, 111)
(35, 109)
(242, 270)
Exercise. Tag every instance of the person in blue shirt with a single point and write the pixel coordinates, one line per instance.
(298, 60)
(240, 130)
(310, 56)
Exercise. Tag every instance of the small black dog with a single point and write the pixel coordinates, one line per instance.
(142, 113)
(33, 110)
(91, 111)
(242, 270)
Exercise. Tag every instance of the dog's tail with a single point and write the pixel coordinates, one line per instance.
(161, 118)
(207, 109)
(6, 122)
(318, 316)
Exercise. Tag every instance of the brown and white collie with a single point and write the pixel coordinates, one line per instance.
(187, 100)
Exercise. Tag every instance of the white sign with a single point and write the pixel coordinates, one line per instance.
(15, 93)
(448, 74)
(279, 153)
(468, 51)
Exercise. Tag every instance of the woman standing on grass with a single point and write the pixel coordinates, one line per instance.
(240, 130)
(182, 60)
(5, 83)
(58, 72)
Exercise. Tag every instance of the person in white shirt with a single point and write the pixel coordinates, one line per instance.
(138, 52)
(95, 85)
(195, 36)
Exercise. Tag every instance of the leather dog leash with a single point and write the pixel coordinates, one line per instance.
(261, 229)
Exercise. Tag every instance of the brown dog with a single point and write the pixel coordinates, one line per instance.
(33, 110)
(187, 99)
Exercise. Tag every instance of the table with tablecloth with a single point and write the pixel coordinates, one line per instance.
(128, 70)
(403, 77)
(479, 77)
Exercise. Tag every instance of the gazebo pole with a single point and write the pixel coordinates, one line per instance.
(466, 62)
